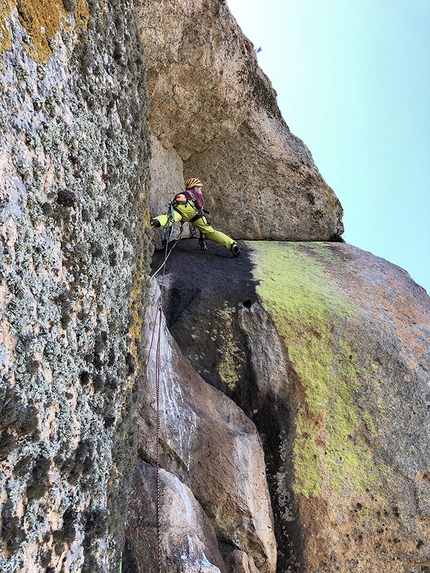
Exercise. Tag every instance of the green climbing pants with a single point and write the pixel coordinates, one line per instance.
(187, 212)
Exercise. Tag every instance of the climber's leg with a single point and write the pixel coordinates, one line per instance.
(220, 238)
(166, 220)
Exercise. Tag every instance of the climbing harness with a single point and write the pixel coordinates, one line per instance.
(196, 217)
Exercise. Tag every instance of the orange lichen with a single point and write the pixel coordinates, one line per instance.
(5, 38)
(42, 20)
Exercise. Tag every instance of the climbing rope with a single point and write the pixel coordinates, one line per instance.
(157, 435)
(158, 319)
(158, 428)
(157, 327)
(168, 251)
(167, 255)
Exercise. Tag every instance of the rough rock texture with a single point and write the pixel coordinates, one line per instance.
(166, 180)
(214, 108)
(294, 426)
(330, 357)
(210, 445)
(239, 562)
(74, 164)
(188, 541)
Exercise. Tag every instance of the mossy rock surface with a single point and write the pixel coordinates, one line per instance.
(356, 331)
(343, 424)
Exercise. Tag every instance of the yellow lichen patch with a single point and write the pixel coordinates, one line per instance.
(229, 352)
(140, 286)
(42, 20)
(315, 320)
(227, 367)
(82, 13)
(137, 317)
(5, 38)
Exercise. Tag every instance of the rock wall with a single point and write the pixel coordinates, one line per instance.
(327, 349)
(214, 108)
(292, 382)
(74, 161)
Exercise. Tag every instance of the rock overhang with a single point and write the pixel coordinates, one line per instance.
(213, 105)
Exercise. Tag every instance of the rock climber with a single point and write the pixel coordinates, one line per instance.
(188, 208)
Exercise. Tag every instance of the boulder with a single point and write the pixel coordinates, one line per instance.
(327, 349)
(214, 107)
(209, 444)
(187, 540)
(238, 562)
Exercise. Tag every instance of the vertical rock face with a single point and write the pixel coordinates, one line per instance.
(74, 169)
(214, 107)
(212, 447)
(327, 349)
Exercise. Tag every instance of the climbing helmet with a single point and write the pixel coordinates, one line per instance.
(193, 183)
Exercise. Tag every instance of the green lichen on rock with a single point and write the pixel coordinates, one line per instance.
(229, 351)
(316, 321)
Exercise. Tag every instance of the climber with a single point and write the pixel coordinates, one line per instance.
(188, 208)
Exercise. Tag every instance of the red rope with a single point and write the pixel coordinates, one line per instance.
(159, 317)
(158, 428)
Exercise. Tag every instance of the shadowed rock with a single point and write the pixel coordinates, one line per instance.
(214, 116)
(327, 348)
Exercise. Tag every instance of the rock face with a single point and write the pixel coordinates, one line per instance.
(273, 413)
(330, 357)
(74, 168)
(209, 444)
(187, 542)
(214, 116)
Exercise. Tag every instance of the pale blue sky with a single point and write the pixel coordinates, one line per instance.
(353, 82)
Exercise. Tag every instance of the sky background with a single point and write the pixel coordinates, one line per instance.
(353, 82)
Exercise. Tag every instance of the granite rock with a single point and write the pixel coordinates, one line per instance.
(327, 349)
(216, 109)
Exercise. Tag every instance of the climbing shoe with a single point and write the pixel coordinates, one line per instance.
(155, 223)
(234, 249)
